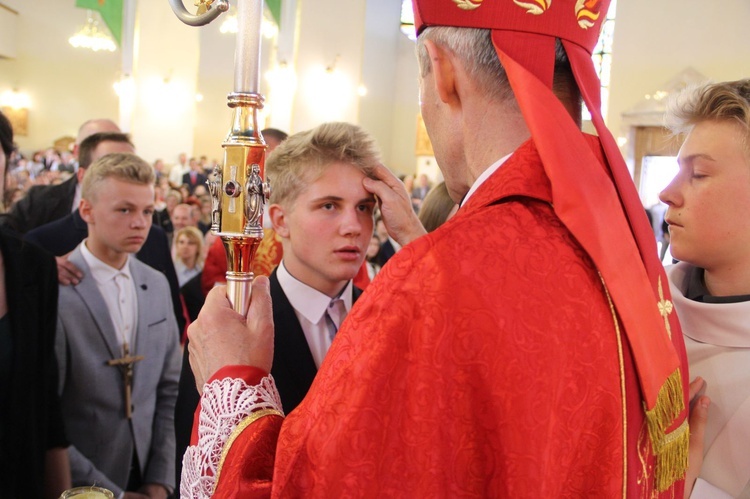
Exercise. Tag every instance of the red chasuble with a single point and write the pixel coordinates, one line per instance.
(485, 360)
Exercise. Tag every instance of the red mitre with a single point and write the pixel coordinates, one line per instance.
(604, 211)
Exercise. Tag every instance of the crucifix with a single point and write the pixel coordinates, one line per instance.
(126, 363)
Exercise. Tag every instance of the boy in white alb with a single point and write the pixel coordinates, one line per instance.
(709, 226)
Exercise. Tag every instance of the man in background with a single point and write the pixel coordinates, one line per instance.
(46, 203)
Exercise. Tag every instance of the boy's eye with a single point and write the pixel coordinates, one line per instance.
(328, 206)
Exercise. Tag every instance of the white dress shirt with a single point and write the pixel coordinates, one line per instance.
(118, 290)
(76, 198)
(184, 274)
(310, 307)
(482, 178)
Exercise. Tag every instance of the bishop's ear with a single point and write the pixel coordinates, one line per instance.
(278, 219)
(444, 71)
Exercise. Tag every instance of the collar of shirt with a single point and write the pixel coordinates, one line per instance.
(76, 198)
(396, 246)
(100, 271)
(484, 176)
(307, 301)
(121, 299)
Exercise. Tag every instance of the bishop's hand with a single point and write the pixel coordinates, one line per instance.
(222, 337)
(697, 419)
(402, 223)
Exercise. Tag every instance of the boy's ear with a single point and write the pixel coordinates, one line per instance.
(85, 210)
(278, 219)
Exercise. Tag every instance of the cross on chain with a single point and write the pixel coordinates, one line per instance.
(126, 363)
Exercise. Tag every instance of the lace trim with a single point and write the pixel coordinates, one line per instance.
(225, 403)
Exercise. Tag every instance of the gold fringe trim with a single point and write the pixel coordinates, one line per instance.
(253, 417)
(671, 450)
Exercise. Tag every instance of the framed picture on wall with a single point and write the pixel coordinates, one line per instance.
(19, 120)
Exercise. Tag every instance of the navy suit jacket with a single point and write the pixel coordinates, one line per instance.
(41, 205)
(293, 367)
(62, 236)
(200, 179)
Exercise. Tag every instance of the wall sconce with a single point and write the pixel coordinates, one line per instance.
(15, 106)
(282, 80)
(330, 92)
(125, 87)
(15, 99)
(165, 96)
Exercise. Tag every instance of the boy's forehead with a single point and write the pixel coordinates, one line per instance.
(119, 190)
(715, 141)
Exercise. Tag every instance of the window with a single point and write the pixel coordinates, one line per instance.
(602, 56)
(407, 20)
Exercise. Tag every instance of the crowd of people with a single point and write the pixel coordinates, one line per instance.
(510, 332)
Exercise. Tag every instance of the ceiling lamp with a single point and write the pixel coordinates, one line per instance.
(92, 36)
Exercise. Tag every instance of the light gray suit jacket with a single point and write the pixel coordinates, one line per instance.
(93, 393)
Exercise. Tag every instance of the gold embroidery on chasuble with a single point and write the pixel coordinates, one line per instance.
(587, 13)
(253, 417)
(468, 4)
(623, 398)
(203, 6)
(535, 7)
(665, 308)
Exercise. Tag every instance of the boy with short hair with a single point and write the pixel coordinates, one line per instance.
(117, 342)
(324, 217)
(709, 227)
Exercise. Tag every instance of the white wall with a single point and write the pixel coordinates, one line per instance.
(655, 40)
(8, 31)
(67, 86)
(166, 71)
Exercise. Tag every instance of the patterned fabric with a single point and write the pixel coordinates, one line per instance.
(604, 214)
(225, 403)
(483, 361)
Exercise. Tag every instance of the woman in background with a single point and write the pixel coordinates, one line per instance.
(188, 261)
(437, 208)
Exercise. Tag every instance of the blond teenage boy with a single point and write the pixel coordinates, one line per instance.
(709, 225)
(116, 342)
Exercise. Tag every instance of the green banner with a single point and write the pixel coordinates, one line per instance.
(111, 12)
(274, 6)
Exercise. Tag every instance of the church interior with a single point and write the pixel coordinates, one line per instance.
(166, 85)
